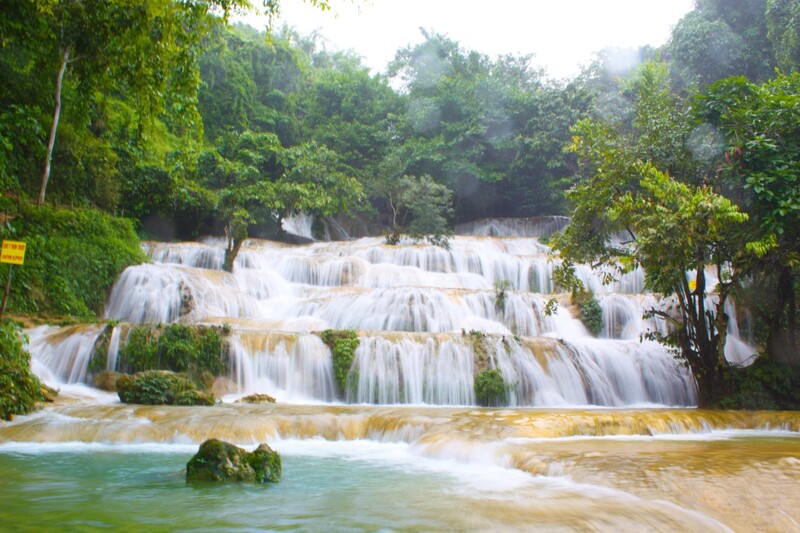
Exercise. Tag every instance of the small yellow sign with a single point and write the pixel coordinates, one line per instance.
(693, 285)
(13, 252)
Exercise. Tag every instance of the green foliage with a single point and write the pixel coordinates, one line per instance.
(343, 344)
(765, 384)
(490, 389)
(20, 389)
(428, 204)
(191, 349)
(490, 130)
(761, 129)
(161, 388)
(783, 22)
(72, 259)
(501, 287)
(672, 220)
(591, 314)
(721, 38)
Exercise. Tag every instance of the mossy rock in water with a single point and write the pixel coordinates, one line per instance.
(221, 461)
(257, 399)
(158, 387)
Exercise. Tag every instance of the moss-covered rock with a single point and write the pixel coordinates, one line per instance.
(157, 387)
(217, 460)
(343, 344)
(256, 399)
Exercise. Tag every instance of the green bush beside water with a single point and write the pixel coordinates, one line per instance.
(20, 389)
(192, 349)
(72, 259)
(490, 388)
(161, 388)
(763, 385)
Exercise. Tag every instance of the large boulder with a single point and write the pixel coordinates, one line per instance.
(221, 461)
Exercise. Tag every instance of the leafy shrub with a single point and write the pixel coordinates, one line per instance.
(20, 389)
(490, 389)
(72, 259)
(196, 350)
(343, 344)
(161, 388)
(591, 314)
(139, 351)
(763, 385)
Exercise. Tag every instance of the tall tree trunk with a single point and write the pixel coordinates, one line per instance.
(52, 139)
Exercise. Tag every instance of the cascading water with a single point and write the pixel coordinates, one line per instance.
(425, 315)
(429, 321)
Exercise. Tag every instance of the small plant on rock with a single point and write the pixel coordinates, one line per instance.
(490, 388)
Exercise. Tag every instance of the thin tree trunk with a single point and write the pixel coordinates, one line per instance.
(52, 139)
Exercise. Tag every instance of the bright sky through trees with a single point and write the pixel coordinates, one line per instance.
(562, 34)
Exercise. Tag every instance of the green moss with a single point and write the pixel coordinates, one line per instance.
(161, 388)
(266, 464)
(490, 389)
(195, 350)
(99, 359)
(343, 344)
(72, 258)
(20, 389)
(221, 461)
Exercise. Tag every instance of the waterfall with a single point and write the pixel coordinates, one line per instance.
(418, 310)
(62, 355)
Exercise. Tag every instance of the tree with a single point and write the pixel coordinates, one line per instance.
(350, 111)
(472, 123)
(761, 169)
(783, 31)
(628, 212)
(428, 205)
(258, 181)
(111, 42)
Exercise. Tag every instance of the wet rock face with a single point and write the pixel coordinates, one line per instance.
(223, 462)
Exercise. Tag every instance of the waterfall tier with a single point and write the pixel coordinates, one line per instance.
(429, 319)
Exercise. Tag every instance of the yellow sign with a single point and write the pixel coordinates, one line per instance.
(13, 252)
(693, 285)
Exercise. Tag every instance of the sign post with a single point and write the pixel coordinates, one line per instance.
(13, 253)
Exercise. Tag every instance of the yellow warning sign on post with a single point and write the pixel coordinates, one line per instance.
(13, 252)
